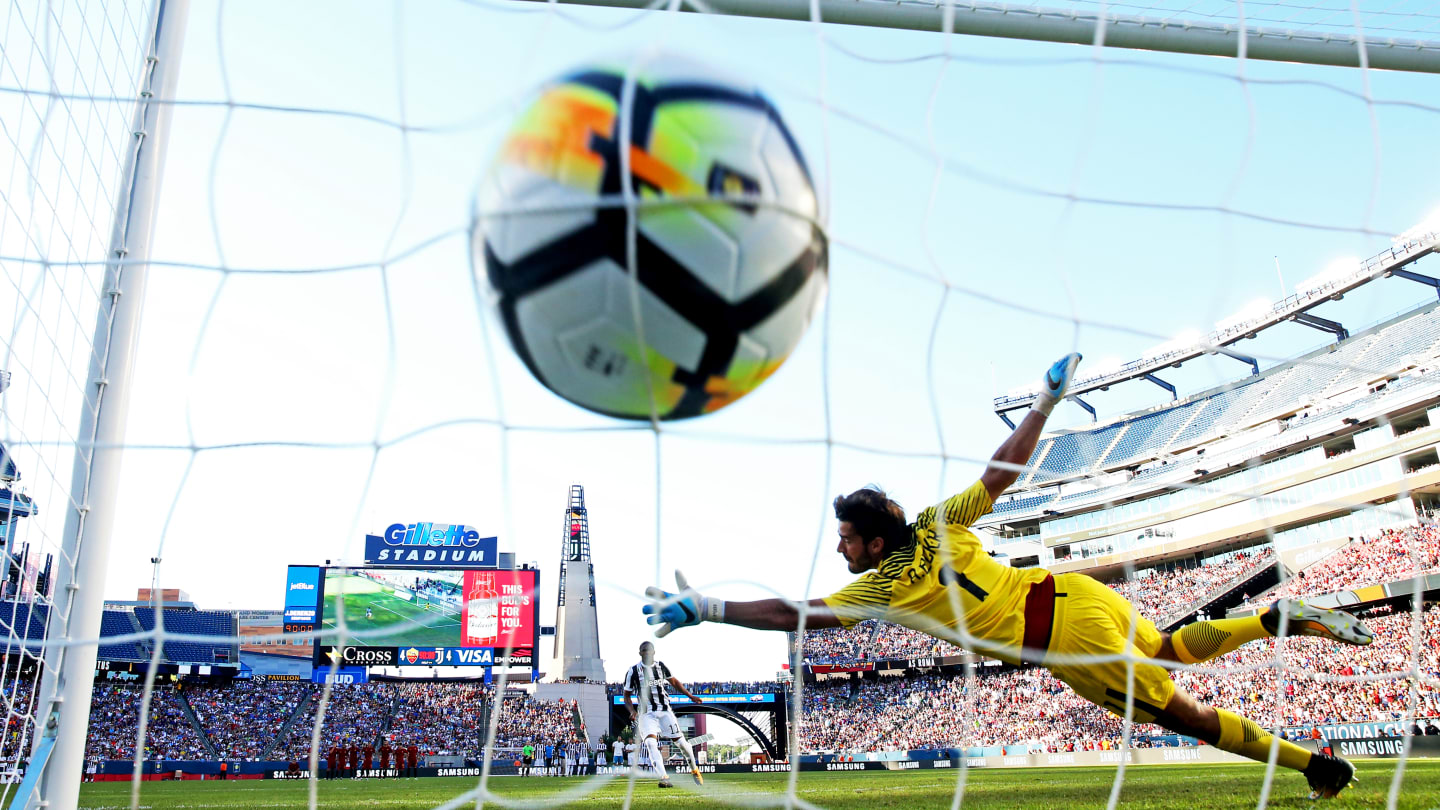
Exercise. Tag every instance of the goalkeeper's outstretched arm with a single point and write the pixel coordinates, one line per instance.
(1009, 461)
(687, 607)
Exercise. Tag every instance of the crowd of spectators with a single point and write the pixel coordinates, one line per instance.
(243, 717)
(18, 702)
(356, 714)
(527, 720)
(114, 724)
(1322, 683)
(871, 640)
(1391, 555)
(441, 718)
(1160, 595)
(1017, 707)
(1326, 683)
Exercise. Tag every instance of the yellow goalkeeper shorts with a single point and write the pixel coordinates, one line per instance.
(1092, 620)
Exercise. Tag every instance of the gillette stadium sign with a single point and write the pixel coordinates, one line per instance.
(431, 545)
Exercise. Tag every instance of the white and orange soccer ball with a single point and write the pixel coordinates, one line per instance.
(729, 251)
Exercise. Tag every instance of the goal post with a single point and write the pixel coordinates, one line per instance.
(74, 622)
(1082, 27)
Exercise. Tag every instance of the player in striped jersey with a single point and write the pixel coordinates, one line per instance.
(646, 681)
(933, 576)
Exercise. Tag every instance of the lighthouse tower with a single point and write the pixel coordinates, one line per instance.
(577, 631)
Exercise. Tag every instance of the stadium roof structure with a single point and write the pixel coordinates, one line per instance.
(1296, 308)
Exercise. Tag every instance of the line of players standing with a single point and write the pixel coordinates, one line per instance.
(574, 758)
(342, 762)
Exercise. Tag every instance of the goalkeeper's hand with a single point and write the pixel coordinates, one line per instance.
(1055, 383)
(684, 609)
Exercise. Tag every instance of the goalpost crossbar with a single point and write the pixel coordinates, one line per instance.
(1081, 27)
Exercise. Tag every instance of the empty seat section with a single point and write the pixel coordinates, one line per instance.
(1211, 416)
(26, 620)
(117, 623)
(1022, 504)
(1301, 383)
(1145, 440)
(1073, 453)
(199, 623)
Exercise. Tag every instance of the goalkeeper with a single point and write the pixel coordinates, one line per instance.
(933, 576)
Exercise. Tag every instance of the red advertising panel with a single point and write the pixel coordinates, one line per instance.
(499, 610)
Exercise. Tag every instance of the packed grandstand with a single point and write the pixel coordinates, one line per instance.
(1315, 479)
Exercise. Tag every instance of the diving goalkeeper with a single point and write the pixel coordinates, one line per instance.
(933, 576)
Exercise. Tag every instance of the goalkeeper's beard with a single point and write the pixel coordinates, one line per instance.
(858, 566)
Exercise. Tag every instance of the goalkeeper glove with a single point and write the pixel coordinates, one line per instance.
(1055, 383)
(684, 609)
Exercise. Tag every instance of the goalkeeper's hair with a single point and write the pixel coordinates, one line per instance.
(874, 514)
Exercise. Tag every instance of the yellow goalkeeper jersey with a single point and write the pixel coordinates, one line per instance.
(944, 567)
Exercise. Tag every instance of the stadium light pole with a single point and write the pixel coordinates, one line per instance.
(68, 682)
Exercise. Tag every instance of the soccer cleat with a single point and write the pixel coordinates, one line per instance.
(695, 772)
(1328, 775)
(1305, 620)
(664, 783)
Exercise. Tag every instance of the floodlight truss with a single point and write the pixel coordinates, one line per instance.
(1082, 26)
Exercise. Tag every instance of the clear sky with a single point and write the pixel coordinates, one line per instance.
(1129, 196)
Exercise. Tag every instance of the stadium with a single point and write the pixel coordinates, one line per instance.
(291, 284)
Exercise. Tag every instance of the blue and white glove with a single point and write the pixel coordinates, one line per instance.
(1055, 383)
(684, 609)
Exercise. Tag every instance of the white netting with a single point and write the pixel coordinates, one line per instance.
(317, 356)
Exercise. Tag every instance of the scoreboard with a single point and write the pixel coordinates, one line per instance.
(417, 616)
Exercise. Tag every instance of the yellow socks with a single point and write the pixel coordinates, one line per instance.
(1202, 641)
(1244, 737)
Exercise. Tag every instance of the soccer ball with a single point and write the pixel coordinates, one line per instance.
(726, 287)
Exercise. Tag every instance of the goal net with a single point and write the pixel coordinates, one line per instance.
(1227, 207)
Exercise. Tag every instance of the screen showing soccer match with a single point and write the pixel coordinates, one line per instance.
(431, 617)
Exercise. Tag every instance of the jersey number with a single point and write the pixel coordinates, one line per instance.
(949, 576)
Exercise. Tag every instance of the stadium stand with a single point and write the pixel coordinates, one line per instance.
(356, 714)
(121, 623)
(1392, 555)
(1164, 597)
(18, 695)
(114, 715)
(1030, 706)
(243, 718)
(1402, 343)
(870, 640)
(526, 719)
(23, 620)
(442, 717)
(195, 622)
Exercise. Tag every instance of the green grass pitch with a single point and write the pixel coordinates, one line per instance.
(1150, 786)
(412, 624)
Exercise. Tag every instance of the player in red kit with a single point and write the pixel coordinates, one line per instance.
(412, 757)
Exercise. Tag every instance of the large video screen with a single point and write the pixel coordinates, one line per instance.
(429, 617)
